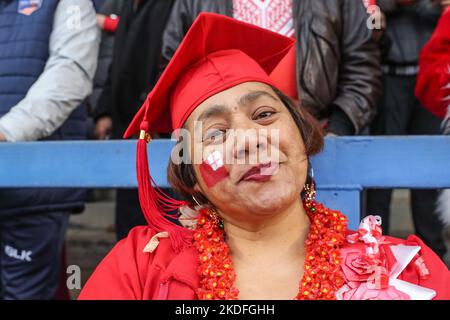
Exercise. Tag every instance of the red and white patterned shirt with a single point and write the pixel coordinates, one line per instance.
(274, 15)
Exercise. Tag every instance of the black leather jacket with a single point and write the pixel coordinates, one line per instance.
(338, 60)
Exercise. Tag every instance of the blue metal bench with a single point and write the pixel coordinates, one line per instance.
(342, 171)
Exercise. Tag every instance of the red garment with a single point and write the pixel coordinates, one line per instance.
(274, 15)
(128, 273)
(433, 82)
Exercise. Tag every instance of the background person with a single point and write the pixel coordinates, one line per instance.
(338, 61)
(133, 72)
(48, 57)
(410, 24)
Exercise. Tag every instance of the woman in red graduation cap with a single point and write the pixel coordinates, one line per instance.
(250, 227)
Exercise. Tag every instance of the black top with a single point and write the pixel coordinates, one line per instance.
(135, 66)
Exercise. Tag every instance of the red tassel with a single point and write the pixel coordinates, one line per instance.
(155, 203)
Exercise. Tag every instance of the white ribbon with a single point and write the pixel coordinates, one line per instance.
(154, 241)
(404, 255)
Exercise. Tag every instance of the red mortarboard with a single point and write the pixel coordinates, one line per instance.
(216, 54)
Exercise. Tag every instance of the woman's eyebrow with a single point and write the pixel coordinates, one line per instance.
(215, 110)
(252, 96)
(220, 110)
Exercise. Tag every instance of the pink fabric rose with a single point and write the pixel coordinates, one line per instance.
(362, 291)
(357, 266)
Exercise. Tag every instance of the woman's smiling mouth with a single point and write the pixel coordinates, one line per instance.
(261, 172)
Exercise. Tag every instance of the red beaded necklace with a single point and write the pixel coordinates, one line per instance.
(322, 275)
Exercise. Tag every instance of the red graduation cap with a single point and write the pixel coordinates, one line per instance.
(216, 54)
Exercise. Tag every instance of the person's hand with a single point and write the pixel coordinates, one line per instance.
(103, 128)
(2, 137)
(444, 3)
(100, 20)
(331, 134)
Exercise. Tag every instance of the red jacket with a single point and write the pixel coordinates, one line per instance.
(128, 273)
(433, 82)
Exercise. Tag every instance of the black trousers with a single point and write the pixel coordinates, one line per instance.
(30, 255)
(129, 213)
(400, 113)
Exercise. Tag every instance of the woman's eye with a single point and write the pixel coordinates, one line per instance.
(263, 115)
(215, 136)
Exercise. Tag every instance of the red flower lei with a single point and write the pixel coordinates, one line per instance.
(322, 275)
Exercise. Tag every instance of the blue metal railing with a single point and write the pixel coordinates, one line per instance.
(342, 171)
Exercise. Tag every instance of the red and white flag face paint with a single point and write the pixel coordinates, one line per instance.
(213, 170)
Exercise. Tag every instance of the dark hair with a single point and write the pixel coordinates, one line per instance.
(182, 177)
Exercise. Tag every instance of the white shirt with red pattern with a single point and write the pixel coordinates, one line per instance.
(274, 15)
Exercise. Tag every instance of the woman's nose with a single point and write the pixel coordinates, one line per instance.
(249, 143)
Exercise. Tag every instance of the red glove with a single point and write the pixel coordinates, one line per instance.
(111, 22)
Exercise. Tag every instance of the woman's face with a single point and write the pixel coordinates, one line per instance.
(265, 163)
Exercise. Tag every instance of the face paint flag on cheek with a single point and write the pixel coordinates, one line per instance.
(213, 170)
